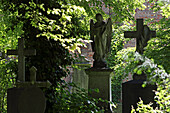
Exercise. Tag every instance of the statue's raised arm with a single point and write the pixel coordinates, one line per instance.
(100, 34)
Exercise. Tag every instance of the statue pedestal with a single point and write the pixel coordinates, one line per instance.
(100, 79)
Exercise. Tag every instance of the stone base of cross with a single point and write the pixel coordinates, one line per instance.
(27, 97)
(33, 81)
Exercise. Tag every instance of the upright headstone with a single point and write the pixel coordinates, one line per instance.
(32, 99)
(26, 97)
(99, 74)
(79, 76)
(133, 90)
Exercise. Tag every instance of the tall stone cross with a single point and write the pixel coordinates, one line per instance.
(21, 52)
(142, 35)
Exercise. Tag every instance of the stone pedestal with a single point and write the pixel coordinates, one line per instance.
(132, 91)
(100, 79)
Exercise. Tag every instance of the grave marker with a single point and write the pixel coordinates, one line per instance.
(26, 97)
(21, 52)
(32, 99)
(142, 35)
(133, 90)
(33, 81)
(99, 76)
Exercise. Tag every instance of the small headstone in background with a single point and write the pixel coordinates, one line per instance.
(79, 76)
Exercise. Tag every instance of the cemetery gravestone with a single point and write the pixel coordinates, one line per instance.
(133, 90)
(79, 77)
(142, 35)
(32, 99)
(21, 52)
(26, 97)
(100, 34)
(99, 74)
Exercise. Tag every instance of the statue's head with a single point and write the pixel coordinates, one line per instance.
(99, 17)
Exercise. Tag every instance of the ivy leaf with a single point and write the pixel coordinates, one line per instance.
(139, 72)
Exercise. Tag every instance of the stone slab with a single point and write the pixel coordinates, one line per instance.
(132, 91)
(25, 100)
(32, 100)
(12, 99)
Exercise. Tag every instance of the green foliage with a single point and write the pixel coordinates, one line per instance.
(8, 38)
(156, 75)
(117, 44)
(114, 58)
(120, 10)
(8, 32)
(159, 48)
(52, 27)
(7, 78)
(78, 102)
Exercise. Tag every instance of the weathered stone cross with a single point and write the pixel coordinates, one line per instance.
(142, 35)
(33, 81)
(21, 52)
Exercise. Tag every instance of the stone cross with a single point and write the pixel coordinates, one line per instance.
(21, 52)
(142, 35)
(33, 81)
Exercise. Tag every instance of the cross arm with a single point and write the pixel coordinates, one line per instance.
(12, 52)
(29, 52)
(46, 84)
(130, 34)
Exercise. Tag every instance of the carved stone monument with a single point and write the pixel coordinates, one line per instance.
(79, 77)
(142, 35)
(100, 34)
(21, 52)
(99, 74)
(26, 97)
(133, 90)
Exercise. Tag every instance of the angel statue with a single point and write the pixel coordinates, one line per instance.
(100, 34)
